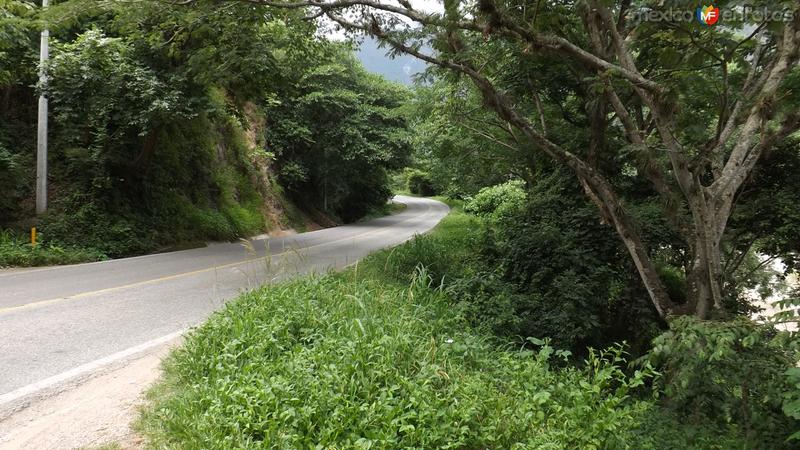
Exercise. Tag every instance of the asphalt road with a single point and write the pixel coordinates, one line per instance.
(55, 319)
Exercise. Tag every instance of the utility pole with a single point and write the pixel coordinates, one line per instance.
(41, 132)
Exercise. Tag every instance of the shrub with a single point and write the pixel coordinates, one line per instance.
(496, 202)
(727, 374)
(211, 223)
(79, 222)
(664, 429)
(674, 281)
(447, 254)
(420, 183)
(16, 252)
(14, 181)
(562, 272)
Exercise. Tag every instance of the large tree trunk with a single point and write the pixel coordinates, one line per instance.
(699, 295)
(704, 275)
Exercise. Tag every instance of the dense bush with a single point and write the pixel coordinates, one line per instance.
(449, 254)
(420, 183)
(728, 374)
(551, 268)
(18, 65)
(335, 362)
(496, 202)
(335, 133)
(91, 225)
(723, 385)
(13, 179)
(531, 264)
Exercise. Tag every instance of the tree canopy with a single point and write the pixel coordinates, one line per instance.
(184, 122)
(683, 109)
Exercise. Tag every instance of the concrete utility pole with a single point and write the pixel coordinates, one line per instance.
(41, 135)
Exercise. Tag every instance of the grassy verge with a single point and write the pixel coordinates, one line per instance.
(15, 252)
(378, 357)
(447, 252)
(360, 360)
(339, 363)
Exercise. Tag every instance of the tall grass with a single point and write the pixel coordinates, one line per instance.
(379, 357)
(451, 251)
(335, 363)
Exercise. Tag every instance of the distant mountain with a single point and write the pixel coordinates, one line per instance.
(400, 69)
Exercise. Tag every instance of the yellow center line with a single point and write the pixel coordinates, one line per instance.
(40, 303)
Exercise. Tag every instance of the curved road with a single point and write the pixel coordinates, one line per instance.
(55, 319)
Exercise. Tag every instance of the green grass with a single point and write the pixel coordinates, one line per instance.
(449, 251)
(343, 363)
(379, 357)
(372, 359)
(16, 252)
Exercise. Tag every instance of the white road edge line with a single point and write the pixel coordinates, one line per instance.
(93, 366)
(84, 369)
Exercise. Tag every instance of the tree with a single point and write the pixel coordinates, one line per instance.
(455, 142)
(17, 74)
(335, 132)
(657, 81)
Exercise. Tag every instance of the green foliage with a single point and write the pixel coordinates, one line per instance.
(459, 160)
(767, 220)
(102, 97)
(497, 202)
(674, 281)
(136, 162)
(335, 135)
(16, 26)
(17, 74)
(420, 183)
(17, 252)
(336, 362)
(451, 252)
(90, 225)
(791, 399)
(550, 268)
(158, 120)
(13, 179)
(209, 222)
(729, 374)
(663, 429)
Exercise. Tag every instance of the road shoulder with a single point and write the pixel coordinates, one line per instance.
(96, 412)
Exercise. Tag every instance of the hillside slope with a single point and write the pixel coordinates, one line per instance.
(171, 126)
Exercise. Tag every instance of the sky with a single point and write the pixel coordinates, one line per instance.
(401, 68)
